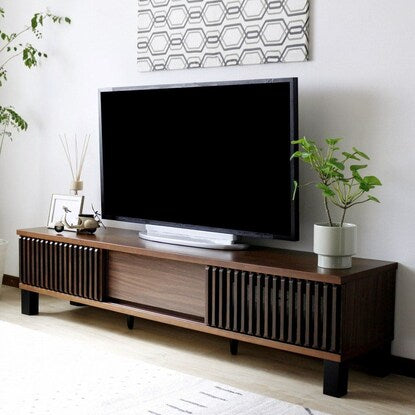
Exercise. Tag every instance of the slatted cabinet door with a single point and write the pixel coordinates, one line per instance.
(289, 310)
(62, 267)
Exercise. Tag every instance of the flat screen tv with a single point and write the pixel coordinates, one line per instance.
(211, 157)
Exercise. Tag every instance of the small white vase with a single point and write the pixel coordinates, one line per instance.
(3, 249)
(335, 245)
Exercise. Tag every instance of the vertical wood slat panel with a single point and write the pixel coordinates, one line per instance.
(80, 271)
(308, 314)
(24, 262)
(215, 292)
(50, 263)
(85, 278)
(208, 294)
(258, 305)
(70, 269)
(42, 263)
(316, 315)
(59, 276)
(36, 260)
(274, 304)
(324, 339)
(228, 299)
(75, 270)
(251, 301)
(32, 262)
(334, 319)
(282, 304)
(45, 263)
(267, 306)
(27, 260)
(90, 284)
(55, 267)
(244, 296)
(21, 258)
(221, 316)
(291, 320)
(236, 301)
(65, 268)
(299, 313)
(95, 277)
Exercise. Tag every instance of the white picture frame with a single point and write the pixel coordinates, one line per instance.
(56, 212)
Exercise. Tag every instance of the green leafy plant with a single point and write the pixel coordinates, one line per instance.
(339, 174)
(13, 47)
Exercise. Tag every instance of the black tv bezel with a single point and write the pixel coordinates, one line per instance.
(294, 225)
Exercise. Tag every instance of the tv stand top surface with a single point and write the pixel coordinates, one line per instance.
(272, 261)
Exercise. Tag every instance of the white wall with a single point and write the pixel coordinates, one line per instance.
(359, 85)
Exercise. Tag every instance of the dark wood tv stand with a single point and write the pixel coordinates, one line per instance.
(270, 297)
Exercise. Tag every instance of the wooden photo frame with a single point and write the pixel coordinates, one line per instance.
(73, 204)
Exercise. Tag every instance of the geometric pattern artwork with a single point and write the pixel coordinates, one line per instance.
(179, 34)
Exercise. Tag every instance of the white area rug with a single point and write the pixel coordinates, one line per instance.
(41, 374)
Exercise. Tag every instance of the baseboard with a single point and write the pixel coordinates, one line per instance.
(11, 281)
(400, 365)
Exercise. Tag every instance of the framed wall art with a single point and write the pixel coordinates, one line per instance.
(182, 34)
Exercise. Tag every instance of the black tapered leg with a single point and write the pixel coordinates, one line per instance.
(336, 377)
(30, 302)
(130, 322)
(74, 303)
(233, 346)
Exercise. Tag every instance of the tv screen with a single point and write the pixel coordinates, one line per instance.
(202, 156)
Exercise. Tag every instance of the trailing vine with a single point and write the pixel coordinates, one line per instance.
(13, 46)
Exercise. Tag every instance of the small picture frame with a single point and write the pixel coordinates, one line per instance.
(59, 203)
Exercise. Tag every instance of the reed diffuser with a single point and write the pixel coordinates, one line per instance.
(76, 160)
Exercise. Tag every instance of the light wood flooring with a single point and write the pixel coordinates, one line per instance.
(273, 373)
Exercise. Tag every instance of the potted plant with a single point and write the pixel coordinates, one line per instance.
(13, 47)
(342, 184)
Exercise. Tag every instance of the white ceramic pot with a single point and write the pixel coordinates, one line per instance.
(3, 249)
(335, 245)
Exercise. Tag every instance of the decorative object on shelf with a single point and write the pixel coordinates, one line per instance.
(59, 226)
(341, 186)
(64, 209)
(87, 223)
(188, 34)
(14, 45)
(76, 161)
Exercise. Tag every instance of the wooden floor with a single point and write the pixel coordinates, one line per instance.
(280, 375)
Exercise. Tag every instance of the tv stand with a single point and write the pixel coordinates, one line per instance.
(191, 237)
(269, 297)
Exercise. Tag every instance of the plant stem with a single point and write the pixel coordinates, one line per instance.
(14, 38)
(344, 214)
(358, 203)
(11, 57)
(326, 205)
(2, 136)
